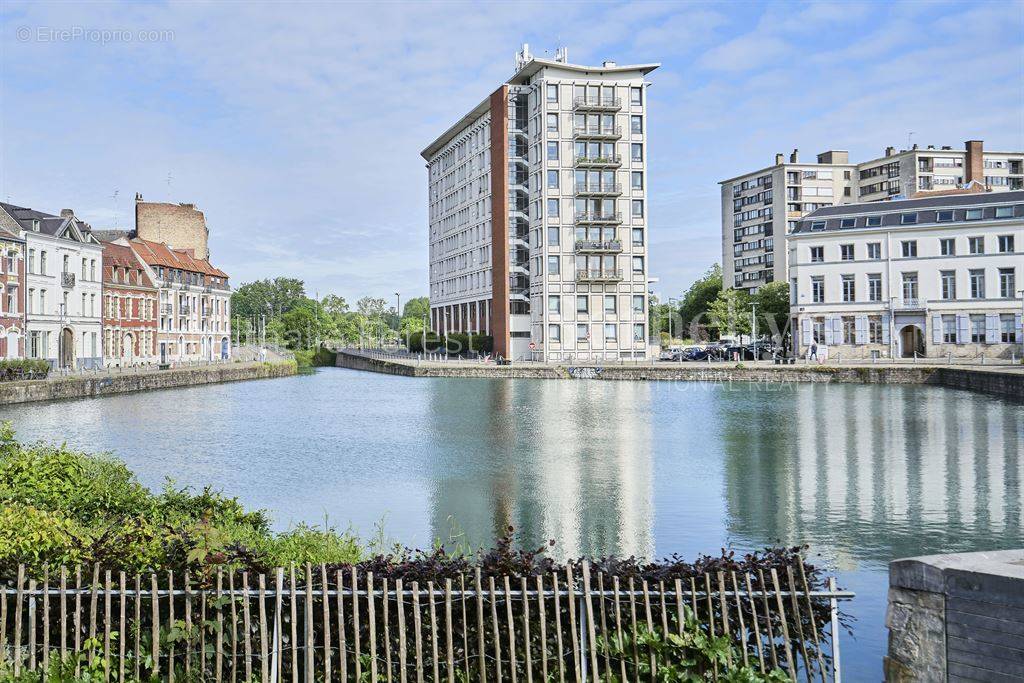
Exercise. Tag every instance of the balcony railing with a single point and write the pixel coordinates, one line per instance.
(597, 103)
(184, 309)
(610, 246)
(597, 132)
(608, 189)
(594, 217)
(610, 161)
(599, 275)
(166, 309)
(67, 279)
(909, 303)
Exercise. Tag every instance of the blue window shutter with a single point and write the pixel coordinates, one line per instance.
(991, 328)
(963, 331)
(936, 329)
(862, 329)
(805, 326)
(837, 330)
(885, 328)
(828, 331)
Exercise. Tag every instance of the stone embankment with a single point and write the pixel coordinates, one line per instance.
(104, 384)
(1004, 381)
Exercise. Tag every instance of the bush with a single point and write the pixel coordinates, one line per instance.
(434, 343)
(324, 357)
(23, 368)
(462, 344)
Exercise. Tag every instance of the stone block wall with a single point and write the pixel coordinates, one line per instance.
(182, 226)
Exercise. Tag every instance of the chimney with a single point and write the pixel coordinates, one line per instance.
(138, 196)
(778, 159)
(974, 165)
(608, 64)
(794, 157)
(915, 146)
(67, 213)
(889, 151)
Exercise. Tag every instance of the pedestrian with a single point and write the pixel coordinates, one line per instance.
(263, 354)
(814, 350)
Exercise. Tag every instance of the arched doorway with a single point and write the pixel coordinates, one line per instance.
(67, 348)
(12, 344)
(181, 347)
(128, 349)
(911, 342)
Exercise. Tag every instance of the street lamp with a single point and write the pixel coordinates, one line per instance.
(671, 310)
(892, 329)
(1021, 330)
(753, 327)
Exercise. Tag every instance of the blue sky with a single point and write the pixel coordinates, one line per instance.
(297, 127)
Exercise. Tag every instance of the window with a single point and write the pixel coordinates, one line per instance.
(638, 237)
(977, 283)
(609, 304)
(1007, 333)
(582, 333)
(909, 289)
(638, 264)
(817, 254)
(908, 218)
(849, 288)
(974, 214)
(638, 303)
(638, 332)
(1007, 283)
(978, 329)
(636, 151)
(943, 216)
(874, 286)
(909, 248)
(582, 304)
(874, 329)
(42, 263)
(609, 332)
(874, 250)
(555, 333)
(636, 125)
(554, 304)
(553, 236)
(818, 289)
(552, 123)
(553, 263)
(949, 329)
(636, 180)
(636, 96)
(637, 208)
(947, 246)
(1006, 244)
(1004, 212)
(552, 91)
(552, 208)
(849, 329)
(947, 284)
(848, 223)
(552, 151)
(873, 221)
(818, 225)
(846, 252)
(552, 180)
(976, 245)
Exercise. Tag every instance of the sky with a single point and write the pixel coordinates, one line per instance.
(297, 127)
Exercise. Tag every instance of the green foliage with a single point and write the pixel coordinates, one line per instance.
(59, 506)
(434, 343)
(729, 313)
(267, 297)
(457, 342)
(416, 308)
(694, 308)
(772, 302)
(18, 368)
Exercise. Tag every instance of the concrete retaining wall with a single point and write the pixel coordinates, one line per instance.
(103, 385)
(956, 618)
(1007, 384)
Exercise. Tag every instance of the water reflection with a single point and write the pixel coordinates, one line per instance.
(873, 473)
(570, 461)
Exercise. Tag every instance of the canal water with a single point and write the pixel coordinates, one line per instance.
(862, 473)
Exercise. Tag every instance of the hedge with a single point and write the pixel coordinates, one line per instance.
(23, 368)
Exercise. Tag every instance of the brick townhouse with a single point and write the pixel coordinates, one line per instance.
(129, 308)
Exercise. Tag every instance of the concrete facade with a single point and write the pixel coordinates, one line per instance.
(181, 226)
(538, 214)
(759, 209)
(936, 277)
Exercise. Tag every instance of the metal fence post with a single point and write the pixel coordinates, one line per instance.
(837, 675)
(583, 639)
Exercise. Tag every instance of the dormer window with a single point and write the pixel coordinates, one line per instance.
(943, 216)
(873, 221)
(1004, 212)
(974, 214)
(908, 218)
(848, 223)
(818, 225)
(35, 225)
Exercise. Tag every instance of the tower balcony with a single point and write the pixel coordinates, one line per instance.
(585, 161)
(597, 132)
(597, 103)
(598, 246)
(599, 275)
(586, 217)
(598, 189)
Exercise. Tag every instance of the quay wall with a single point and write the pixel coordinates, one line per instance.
(107, 384)
(1007, 383)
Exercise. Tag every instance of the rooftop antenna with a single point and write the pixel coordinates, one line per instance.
(114, 197)
(168, 181)
(910, 137)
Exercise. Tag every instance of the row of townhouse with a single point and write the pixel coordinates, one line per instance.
(935, 276)
(84, 299)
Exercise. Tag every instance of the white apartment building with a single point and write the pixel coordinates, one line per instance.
(538, 214)
(63, 288)
(932, 277)
(760, 208)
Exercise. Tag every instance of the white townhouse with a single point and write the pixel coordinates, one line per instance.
(63, 288)
(932, 277)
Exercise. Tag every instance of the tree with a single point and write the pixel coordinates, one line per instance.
(267, 297)
(334, 305)
(694, 308)
(729, 313)
(772, 302)
(417, 307)
(304, 326)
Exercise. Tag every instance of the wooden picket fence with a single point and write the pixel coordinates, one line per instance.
(314, 623)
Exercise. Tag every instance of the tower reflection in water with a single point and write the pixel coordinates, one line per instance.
(560, 460)
(869, 474)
